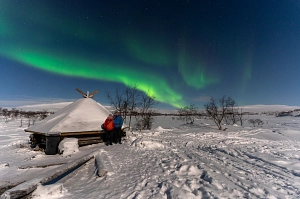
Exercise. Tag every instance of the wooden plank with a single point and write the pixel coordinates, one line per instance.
(83, 143)
(29, 186)
(89, 138)
(81, 133)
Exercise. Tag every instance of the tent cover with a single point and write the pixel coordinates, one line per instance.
(83, 115)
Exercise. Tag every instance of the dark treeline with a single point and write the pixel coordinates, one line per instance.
(30, 116)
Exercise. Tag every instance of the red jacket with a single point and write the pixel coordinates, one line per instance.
(109, 124)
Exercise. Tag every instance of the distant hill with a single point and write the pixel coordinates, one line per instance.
(248, 108)
(49, 107)
(268, 108)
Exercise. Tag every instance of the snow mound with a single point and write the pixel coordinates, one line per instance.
(169, 190)
(188, 170)
(16, 144)
(160, 129)
(68, 146)
(147, 143)
(3, 165)
(38, 156)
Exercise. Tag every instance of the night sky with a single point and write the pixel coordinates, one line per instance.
(183, 52)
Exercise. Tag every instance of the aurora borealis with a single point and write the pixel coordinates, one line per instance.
(179, 51)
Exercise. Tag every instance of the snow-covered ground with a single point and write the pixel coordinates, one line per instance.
(173, 160)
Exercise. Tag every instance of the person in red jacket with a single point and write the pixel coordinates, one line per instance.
(109, 127)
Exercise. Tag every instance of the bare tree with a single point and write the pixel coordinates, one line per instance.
(216, 109)
(252, 121)
(43, 114)
(15, 113)
(232, 109)
(131, 101)
(188, 113)
(6, 114)
(145, 113)
(117, 100)
(30, 115)
(21, 117)
(240, 116)
(234, 113)
(256, 122)
(125, 101)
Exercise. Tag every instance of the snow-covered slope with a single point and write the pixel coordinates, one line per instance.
(173, 160)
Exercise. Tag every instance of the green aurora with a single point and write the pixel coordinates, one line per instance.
(181, 52)
(49, 49)
(77, 67)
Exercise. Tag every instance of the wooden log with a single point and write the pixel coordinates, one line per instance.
(42, 165)
(29, 186)
(89, 140)
(12, 182)
(8, 185)
(100, 167)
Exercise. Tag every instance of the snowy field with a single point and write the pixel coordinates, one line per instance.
(174, 160)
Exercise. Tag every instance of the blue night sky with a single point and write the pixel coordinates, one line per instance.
(183, 52)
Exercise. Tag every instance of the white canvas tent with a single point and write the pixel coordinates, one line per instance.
(83, 115)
